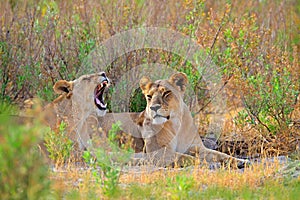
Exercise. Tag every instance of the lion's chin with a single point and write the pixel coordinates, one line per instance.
(159, 120)
(100, 113)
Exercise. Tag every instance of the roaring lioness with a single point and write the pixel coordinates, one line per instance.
(79, 105)
(167, 127)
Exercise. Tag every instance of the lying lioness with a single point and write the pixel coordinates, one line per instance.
(166, 126)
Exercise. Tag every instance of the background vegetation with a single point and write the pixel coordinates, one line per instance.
(256, 43)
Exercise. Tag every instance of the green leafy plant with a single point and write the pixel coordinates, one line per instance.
(110, 160)
(180, 186)
(5, 57)
(271, 101)
(137, 101)
(23, 173)
(58, 144)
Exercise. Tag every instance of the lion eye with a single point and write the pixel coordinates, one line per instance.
(149, 97)
(166, 94)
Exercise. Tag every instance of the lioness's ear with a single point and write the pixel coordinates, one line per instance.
(179, 80)
(144, 82)
(63, 86)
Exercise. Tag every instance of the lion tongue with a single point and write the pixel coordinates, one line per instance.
(98, 101)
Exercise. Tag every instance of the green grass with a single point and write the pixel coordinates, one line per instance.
(257, 182)
(269, 190)
(272, 189)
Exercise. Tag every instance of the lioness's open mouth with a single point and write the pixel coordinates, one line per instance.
(98, 95)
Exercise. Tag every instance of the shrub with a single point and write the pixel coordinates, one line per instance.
(58, 144)
(23, 174)
(269, 103)
(110, 160)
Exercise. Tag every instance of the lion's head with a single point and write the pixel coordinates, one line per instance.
(164, 97)
(79, 104)
(84, 91)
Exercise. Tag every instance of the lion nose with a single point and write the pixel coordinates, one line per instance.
(155, 107)
(103, 74)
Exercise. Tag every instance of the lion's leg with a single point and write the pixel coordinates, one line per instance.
(183, 160)
(162, 158)
(209, 155)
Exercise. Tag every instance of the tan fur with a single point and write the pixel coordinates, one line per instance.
(75, 106)
(167, 125)
(171, 138)
(129, 127)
